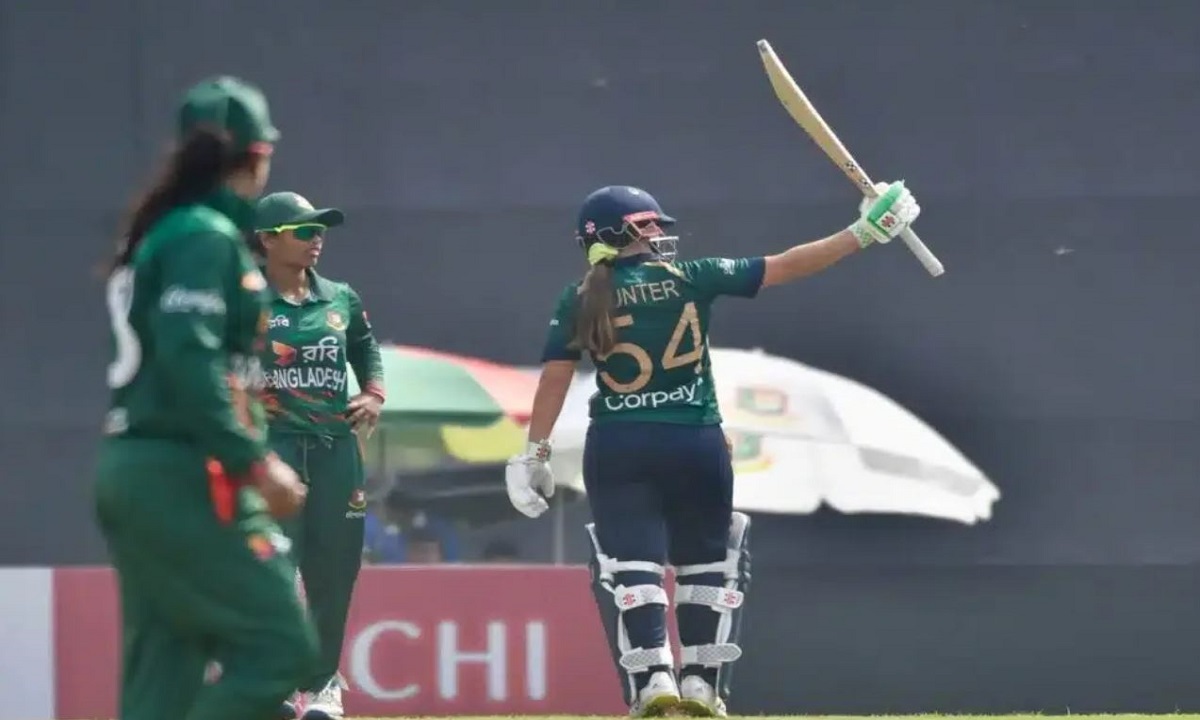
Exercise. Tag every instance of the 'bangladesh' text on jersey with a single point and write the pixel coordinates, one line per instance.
(659, 369)
(309, 350)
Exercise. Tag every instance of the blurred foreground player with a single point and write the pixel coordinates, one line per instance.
(656, 465)
(317, 326)
(186, 485)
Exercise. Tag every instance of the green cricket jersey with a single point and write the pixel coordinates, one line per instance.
(187, 314)
(309, 346)
(659, 370)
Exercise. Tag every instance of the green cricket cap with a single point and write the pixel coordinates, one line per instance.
(233, 106)
(289, 208)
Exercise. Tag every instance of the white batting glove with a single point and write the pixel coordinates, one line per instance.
(883, 218)
(529, 481)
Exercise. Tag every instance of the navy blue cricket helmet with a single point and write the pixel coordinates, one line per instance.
(617, 215)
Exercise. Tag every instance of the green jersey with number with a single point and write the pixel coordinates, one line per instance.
(306, 356)
(187, 316)
(659, 369)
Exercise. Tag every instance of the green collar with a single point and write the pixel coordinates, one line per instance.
(317, 286)
(236, 208)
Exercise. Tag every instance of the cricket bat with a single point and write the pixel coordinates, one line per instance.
(807, 117)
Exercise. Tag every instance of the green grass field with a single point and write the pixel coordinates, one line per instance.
(1174, 716)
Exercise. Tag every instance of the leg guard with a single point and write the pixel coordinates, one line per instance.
(721, 586)
(635, 657)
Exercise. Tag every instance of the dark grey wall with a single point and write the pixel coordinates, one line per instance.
(830, 640)
(1052, 146)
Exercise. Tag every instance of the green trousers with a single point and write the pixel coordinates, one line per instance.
(327, 536)
(195, 587)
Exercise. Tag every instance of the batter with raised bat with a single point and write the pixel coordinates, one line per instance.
(656, 465)
(806, 116)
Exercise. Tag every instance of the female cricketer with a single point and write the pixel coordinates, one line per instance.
(656, 465)
(315, 327)
(186, 485)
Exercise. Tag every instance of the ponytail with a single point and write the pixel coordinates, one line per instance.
(193, 171)
(594, 327)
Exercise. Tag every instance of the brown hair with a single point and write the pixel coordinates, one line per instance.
(595, 330)
(192, 171)
(257, 247)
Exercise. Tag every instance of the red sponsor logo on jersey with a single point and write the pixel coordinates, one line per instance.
(284, 354)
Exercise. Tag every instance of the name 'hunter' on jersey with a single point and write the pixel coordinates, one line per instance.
(658, 369)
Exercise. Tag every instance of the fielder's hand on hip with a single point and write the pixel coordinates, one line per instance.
(529, 481)
(883, 218)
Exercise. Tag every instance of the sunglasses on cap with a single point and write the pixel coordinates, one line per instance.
(305, 231)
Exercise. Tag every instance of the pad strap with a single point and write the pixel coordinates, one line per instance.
(727, 567)
(712, 654)
(628, 598)
(721, 599)
(642, 659)
(610, 567)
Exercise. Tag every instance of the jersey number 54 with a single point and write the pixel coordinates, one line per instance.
(688, 323)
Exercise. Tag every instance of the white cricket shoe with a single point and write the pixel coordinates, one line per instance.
(326, 704)
(658, 698)
(699, 699)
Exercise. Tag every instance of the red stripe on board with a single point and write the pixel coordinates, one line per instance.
(86, 643)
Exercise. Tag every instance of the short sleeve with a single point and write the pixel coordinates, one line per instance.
(739, 277)
(559, 335)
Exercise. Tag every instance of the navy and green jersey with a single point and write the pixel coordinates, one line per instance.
(309, 346)
(659, 369)
(188, 317)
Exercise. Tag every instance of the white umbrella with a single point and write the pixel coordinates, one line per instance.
(802, 436)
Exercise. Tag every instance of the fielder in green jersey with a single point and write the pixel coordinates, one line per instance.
(656, 465)
(186, 482)
(316, 327)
